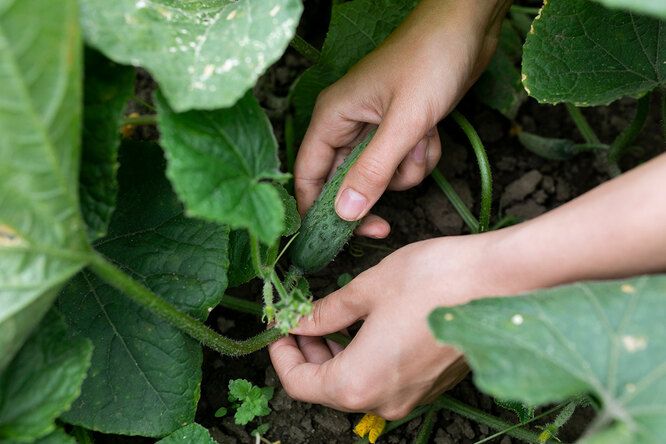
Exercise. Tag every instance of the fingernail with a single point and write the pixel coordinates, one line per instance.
(419, 151)
(350, 205)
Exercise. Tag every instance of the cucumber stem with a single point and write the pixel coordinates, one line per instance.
(305, 49)
(618, 147)
(484, 168)
(456, 201)
(591, 138)
(147, 119)
(184, 322)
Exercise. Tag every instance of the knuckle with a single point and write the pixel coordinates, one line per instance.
(354, 396)
(373, 173)
(394, 412)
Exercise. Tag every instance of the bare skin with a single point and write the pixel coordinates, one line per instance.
(393, 363)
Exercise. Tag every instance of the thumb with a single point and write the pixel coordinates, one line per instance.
(333, 313)
(368, 178)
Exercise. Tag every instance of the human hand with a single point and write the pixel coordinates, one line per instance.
(393, 363)
(405, 87)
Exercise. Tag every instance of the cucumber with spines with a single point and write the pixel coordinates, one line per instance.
(323, 234)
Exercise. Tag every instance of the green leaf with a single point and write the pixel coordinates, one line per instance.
(499, 87)
(190, 434)
(292, 220)
(42, 380)
(204, 55)
(145, 374)
(656, 8)
(580, 52)
(218, 162)
(254, 400)
(221, 412)
(42, 239)
(241, 268)
(58, 436)
(261, 430)
(603, 338)
(356, 28)
(107, 89)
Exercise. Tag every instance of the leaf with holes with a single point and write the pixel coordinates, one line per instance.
(603, 338)
(42, 237)
(204, 55)
(145, 374)
(580, 52)
(219, 161)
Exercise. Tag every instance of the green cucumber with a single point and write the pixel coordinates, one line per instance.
(323, 234)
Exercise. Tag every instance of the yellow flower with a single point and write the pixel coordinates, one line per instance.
(371, 425)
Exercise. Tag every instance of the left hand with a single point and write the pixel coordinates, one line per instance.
(393, 363)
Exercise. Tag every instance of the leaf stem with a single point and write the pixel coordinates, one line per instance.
(455, 200)
(581, 123)
(591, 138)
(618, 146)
(305, 49)
(184, 322)
(428, 424)
(484, 167)
(146, 119)
(256, 260)
(253, 308)
(510, 429)
(480, 417)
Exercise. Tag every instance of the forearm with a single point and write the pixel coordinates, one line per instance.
(616, 230)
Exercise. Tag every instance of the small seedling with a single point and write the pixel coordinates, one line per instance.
(249, 400)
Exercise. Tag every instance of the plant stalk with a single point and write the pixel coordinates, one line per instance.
(146, 119)
(253, 308)
(428, 424)
(184, 322)
(591, 139)
(478, 416)
(618, 147)
(484, 167)
(305, 49)
(455, 200)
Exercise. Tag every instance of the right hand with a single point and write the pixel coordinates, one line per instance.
(405, 86)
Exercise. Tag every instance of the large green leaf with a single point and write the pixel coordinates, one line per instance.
(107, 89)
(204, 54)
(190, 434)
(580, 52)
(653, 7)
(42, 381)
(218, 161)
(603, 338)
(42, 239)
(356, 28)
(145, 374)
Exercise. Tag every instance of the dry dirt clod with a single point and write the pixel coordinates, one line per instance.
(519, 189)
